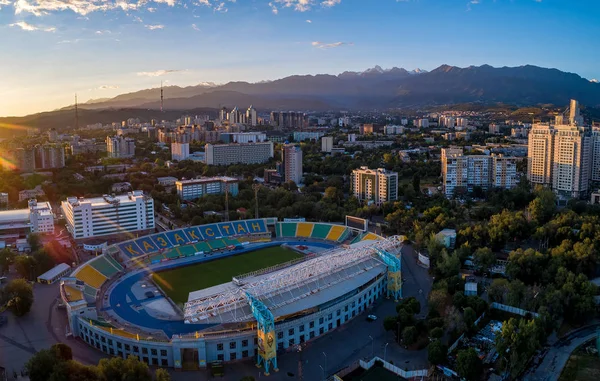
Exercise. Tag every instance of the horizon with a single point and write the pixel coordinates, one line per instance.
(99, 49)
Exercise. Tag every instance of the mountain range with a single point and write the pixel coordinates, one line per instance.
(376, 88)
(372, 89)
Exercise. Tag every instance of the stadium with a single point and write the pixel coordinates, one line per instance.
(229, 291)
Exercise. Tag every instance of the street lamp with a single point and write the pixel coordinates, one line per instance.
(372, 348)
(322, 373)
(385, 351)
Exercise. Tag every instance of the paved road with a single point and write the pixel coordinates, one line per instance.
(557, 356)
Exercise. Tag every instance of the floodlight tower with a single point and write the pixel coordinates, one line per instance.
(161, 96)
(256, 188)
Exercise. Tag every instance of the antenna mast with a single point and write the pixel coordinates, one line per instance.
(161, 96)
(76, 114)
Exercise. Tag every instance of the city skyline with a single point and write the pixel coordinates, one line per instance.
(100, 49)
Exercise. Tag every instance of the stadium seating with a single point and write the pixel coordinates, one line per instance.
(231, 241)
(90, 291)
(202, 246)
(369, 236)
(320, 231)
(90, 276)
(72, 293)
(304, 229)
(288, 229)
(114, 262)
(172, 254)
(104, 266)
(187, 251)
(216, 244)
(336, 233)
(119, 332)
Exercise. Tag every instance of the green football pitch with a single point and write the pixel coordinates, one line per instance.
(179, 282)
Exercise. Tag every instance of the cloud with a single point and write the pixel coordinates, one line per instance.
(108, 87)
(137, 19)
(32, 28)
(5, 2)
(82, 7)
(330, 3)
(324, 45)
(151, 10)
(309, 21)
(101, 32)
(155, 27)
(170, 3)
(195, 27)
(157, 73)
(300, 5)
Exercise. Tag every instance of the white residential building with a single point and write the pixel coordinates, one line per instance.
(120, 146)
(196, 188)
(180, 151)
(468, 172)
(565, 157)
(326, 143)
(377, 186)
(251, 117)
(107, 215)
(422, 123)
(245, 153)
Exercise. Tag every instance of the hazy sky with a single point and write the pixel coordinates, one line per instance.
(52, 49)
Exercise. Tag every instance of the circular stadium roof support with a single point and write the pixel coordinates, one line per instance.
(304, 278)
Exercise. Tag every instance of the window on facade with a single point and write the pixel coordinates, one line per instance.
(144, 351)
(127, 348)
(244, 343)
(220, 357)
(244, 353)
(280, 335)
(163, 352)
(291, 342)
(220, 346)
(311, 324)
(301, 329)
(321, 330)
(291, 332)
(232, 344)
(135, 348)
(153, 352)
(164, 362)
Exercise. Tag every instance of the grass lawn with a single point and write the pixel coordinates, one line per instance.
(179, 282)
(581, 366)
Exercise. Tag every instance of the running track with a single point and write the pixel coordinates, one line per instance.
(124, 309)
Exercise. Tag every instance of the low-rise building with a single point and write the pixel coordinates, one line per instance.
(31, 193)
(36, 218)
(167, 181)
(447, 237)
(120, 187)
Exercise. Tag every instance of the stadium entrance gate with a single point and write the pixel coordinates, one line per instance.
(189, 359)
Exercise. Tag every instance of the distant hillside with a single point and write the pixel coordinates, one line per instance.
(372, 89)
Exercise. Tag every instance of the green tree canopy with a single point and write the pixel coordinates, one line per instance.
(436, 352)
(468, 364)
(18, 296)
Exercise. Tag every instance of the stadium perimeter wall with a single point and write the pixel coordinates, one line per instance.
(230, 346)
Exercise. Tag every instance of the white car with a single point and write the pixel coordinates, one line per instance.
(371, 318)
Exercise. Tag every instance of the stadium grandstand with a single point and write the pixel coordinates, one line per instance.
(115, 303)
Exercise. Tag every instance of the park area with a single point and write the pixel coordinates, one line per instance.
(178, 283)
(583, 365)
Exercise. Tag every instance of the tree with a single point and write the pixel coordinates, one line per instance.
(468, 364)
(25, 266)
(247, 378)
(18, 296)
(469, 317)
(409, 335)
(74, 371)
(41, 365)
(43, 262)
(436, 333)
(436, 352)
(63, 351)
(162, 375)
(517, 342)
(416, 183)
(543, 206)
(389, 323)
(410, 304)
(6, 259)
(33, 239)
(130, 369)
(497, 290)
(484, 258)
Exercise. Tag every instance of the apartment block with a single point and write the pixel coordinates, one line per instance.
(374, 185)
(108, 215)
(196, 188)
(244, 153)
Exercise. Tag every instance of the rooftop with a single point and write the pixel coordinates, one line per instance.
(17, 215)
(207, 180)
(106, 199)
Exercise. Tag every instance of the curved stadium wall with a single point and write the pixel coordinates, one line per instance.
(207, 346)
